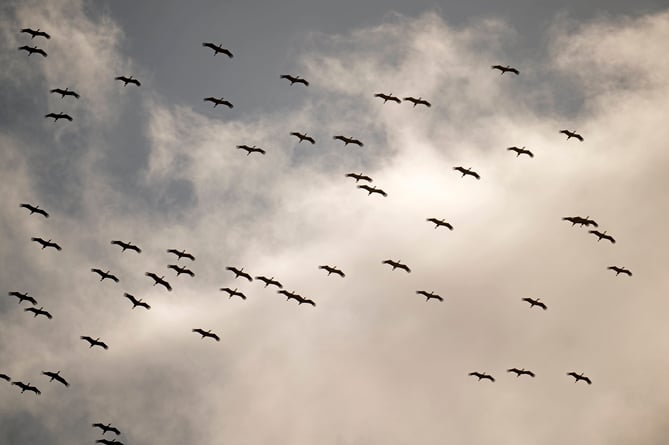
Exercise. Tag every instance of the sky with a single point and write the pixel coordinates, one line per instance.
(372, 361)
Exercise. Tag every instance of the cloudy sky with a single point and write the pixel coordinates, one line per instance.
(372, 362)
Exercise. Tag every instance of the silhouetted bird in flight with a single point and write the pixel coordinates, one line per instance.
(126, 246)
(218, 101)
(521, 151)
(520, 372)
(440, 223)
(396, 265)
(127, 80)
(250, 150)
(23, 297)
(602, 235)
(295, 79)
(303, 137)
(580, 221)
(467, 171)
(290, 295)
(620, 270)
(135, 302)
(580, 376)
(46, 244)
(57, 116)
(5, 377)
(233, 293)
(429, 295)
(95, 342)
(159, 280)
(505, 69)
(572, 134)
(179, 270)
(534, 302)
(107, 428)
(182, 254)
(348, 140)
(109, 442)
(36, 33)
(34, 209)
(306, 301)
(32, 49)
(388, 97)
(104, 275)
(371, 189)
(419, 101)
(482, 375)
(27, 387)
(332, 270)
(359, 177)
(269, 281)
(239, 272)
(55, 376)
(218, 48)
(65, 92)
(39, 311)
(208, 333)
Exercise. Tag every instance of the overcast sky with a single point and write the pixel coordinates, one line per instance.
(372, 362)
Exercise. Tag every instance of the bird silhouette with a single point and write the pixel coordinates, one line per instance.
(179, 270)
(182, 254)
(429, 295)
(250, 150)
(218, 48)
(94, 342)
(55, 376)
(520, 372)
(580, 376)
(35, 33)
(135, 302)
(482, 375)
(396, 265)
(65, 92)
(290, 295)
(233, 293)
(46, 244)
(348, 140)
(127, 80)
(126, 246)
(440, 223)
(239, 272)
(208, 333)
(388, 97)
(602, 235)
(620, 270)
(104, 275)
(218, 101)
(57, 116)
(34, 209)
(505, 69)
(303, 137)
(572, 134)
(107, 428)
(332, 270)
(419, 101)
(159, 280)
(269, 281)
(23, 297)
(521, 151)
(37, 312)
(534, 302)
(27, 387)
(358, 177)
(32, 50)
(580, 221)
(467, 171)
(371, 189)
(294, 79)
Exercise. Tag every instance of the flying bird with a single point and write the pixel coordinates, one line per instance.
(294, 79)
(521, 151)
(348, 140)
(397, 265)
(505, 69)
(534, 302)
(218, 48)
(602, 235)
(358, 177)
(239, 272)
(57, 116)
(572, 134)
(580, 221)
(135, 302)
(218, 101)
(34, 209)
(619, 270)
(332, 270)
(482, 375)
(467, 171)
(303, 137)
(159, 280)
(46, 243)
(208, 333)
(440, 222)
(128, 246)
(23, 297)
(269, 281)
(127, 80)
(520, 372)
(419, 101)
(429, 295)
(233, 293)
(55, 376)
(35, 33)
(180, 270)
(250, 150)
(306, 301)
(39, 311)
(65, 92)
(580, 376)
(107, 428)
(32, 49)
(104, 275)
(388, 97)
(290, 295)
(182, 254)
(27, 387)
(95, 342)
(372, 189)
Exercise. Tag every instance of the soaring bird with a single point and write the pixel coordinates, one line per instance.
(534, 302)
(388, 97)
(107, 428)
(34, 209)
(348, 140)
(306, 301)
(159, 280)
(372, 189)
(269, 281)
(55, 376)
(359, 177)
(332, 270)
(36, 33)
(233, 293)
(294, 79)
(23, 297)
(440, 222)
(127, 80)
(482, 375)
(208, 333)
(290, 295)
(27, 387)
(94, 342)
(250, 150)
(218, 48)
(572, 134)
(505, 69)
(109, 442)
(57, 116)
(303, 137)
(104, 275)
(32, 49)
(419, 101)
(5, 377)
(46, 243)
(239, 272)
(520, 372)
(39, 311)
(467, 171)
(521, 151)
(619, 270)
(218, 101)
(65, 92)
(429, 295)
(580, 221)
(602, 235)
(580, 376)
(128, 246)
(179, 270)
(182, 254)
(397, 265)
(136, 302)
